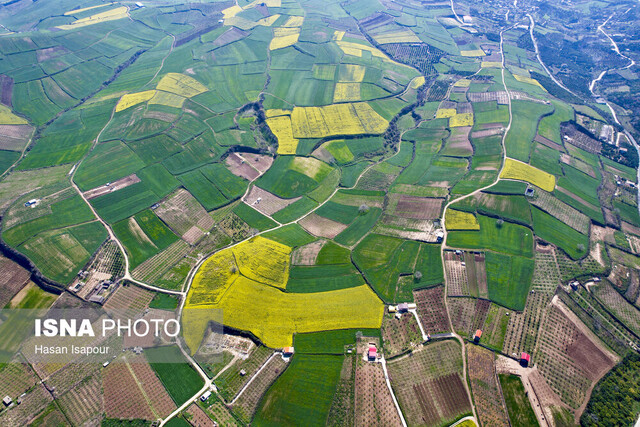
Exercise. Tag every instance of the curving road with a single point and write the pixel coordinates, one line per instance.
(444, 226)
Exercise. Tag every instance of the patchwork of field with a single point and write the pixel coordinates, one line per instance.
(336, 133)
(256, 269)
(429, 386)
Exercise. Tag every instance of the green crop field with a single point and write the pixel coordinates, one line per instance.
(523, 129)
(292, 235)
(72, 210)
(355, 122)
(330, 342)
(508, 279)
(507, 238)
(143, 236)
(108, 162)
(61, 253)
(518, 406)
(178, 377)
(359, 227)
(290, 400)
(548, 228)
(254, 218)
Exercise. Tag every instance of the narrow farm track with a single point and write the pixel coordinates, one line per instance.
(112, 235)
(444, 225)
(532, 25)
(163, 59)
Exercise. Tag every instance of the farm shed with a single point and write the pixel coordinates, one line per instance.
(372, 353)
(525, 359)
(477, 336)
(287, 351)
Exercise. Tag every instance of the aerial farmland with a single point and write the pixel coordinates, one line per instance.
(359, 212)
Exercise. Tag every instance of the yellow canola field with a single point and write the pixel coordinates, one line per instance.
(284, 37)
(280, 125)
(109, 15)
(356, 49)
(213, 278)
(473, 53)
(464, 119)
(417, 82)
(491, 64)
(445, 113)
(8, 118)
(275, 112)
(338, 35)
(351, 73)
(84, 9)
(232, 11)
(264, 261)
(181, 84)
(274, 316)
(515, 169)
(131, 99)
(168, 99)
(345, 92)
(458, 220)
(294, 21)
(525, 79)
(336, 119)
(462, 83)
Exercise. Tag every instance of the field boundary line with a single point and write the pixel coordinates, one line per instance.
(274, 354)
(393, 396)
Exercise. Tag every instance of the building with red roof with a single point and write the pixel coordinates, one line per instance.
(477, 336)
(525, 359)
(372, 353)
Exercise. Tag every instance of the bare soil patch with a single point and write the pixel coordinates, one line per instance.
(230, 36)
(113, 186)
(128, 301)
(6, 90)
(431, 310)
(307, 254)
(12, 279)
(400, 334)
(261, 162)
(549, 143)
(487, 132)
(321, 227)
(418, 207)
(485, 387)
(239, 167)
(373, 402)
(198, 417)
(265, 202)
(185, 215)
(14, 137)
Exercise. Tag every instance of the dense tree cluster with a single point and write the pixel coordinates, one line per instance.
(616, 397)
